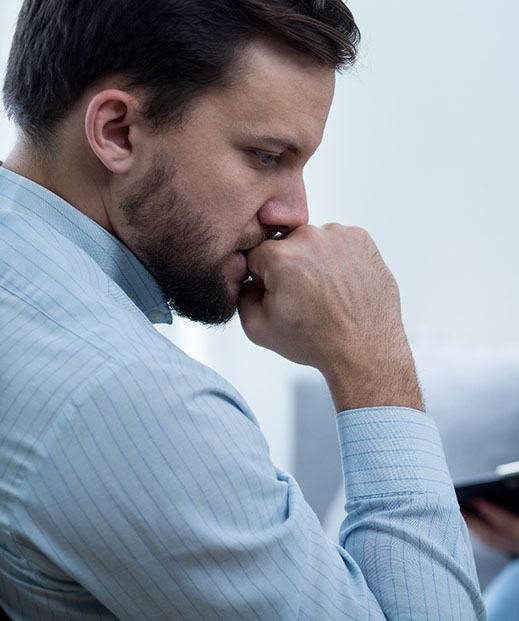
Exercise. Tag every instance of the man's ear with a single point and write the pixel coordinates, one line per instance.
(110, 117)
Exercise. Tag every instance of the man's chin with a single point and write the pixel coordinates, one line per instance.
(214, 310)
(210, 299)
(229, 309)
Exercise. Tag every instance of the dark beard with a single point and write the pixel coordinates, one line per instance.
(176, 247)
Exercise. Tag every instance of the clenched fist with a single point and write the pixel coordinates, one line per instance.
(324, 297)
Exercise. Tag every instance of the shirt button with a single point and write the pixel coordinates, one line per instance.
(155, 316)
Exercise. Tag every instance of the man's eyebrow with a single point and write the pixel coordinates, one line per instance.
(281, 143)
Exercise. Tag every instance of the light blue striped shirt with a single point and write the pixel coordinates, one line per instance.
(135, 482)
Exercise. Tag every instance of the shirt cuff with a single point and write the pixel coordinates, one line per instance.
(391, 450)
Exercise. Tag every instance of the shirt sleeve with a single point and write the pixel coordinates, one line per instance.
(157, 494)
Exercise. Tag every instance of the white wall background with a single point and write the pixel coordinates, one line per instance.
(421, 149)
(8, 12)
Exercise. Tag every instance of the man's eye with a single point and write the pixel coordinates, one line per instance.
(268, 160)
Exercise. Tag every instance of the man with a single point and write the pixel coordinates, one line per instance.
(159, 166)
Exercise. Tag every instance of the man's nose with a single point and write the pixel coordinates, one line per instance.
(287, 210)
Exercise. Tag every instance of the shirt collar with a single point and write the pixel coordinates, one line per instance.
(112, 256)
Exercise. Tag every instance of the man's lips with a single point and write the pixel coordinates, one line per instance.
(245, 251)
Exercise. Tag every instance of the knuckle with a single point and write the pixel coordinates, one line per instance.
(266, 247)
(280, 257)
(279, 251)
(333, 226)
(364, 236)
(308, 230)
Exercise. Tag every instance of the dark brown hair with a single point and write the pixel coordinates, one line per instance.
(175, 49)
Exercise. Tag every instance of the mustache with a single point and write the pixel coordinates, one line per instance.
(251, 242)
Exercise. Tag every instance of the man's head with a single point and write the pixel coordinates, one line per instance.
(189, 121)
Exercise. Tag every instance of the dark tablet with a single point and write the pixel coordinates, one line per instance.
(500, 489)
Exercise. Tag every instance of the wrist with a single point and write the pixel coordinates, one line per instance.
(391, 381)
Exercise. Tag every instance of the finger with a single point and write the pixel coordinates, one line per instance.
(486, 534)
(500, 518)
(260, 258)
(257, 281)
(250, 298)
(250, 310)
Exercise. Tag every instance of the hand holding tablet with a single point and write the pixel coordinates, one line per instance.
(490, 505)
(500, 488)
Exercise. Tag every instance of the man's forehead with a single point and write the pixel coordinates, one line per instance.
(281, 94)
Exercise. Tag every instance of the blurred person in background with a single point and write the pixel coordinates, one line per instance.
(159, 168)
(499, 529)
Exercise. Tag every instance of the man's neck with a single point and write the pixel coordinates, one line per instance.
(20, 162)
(82, 195)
